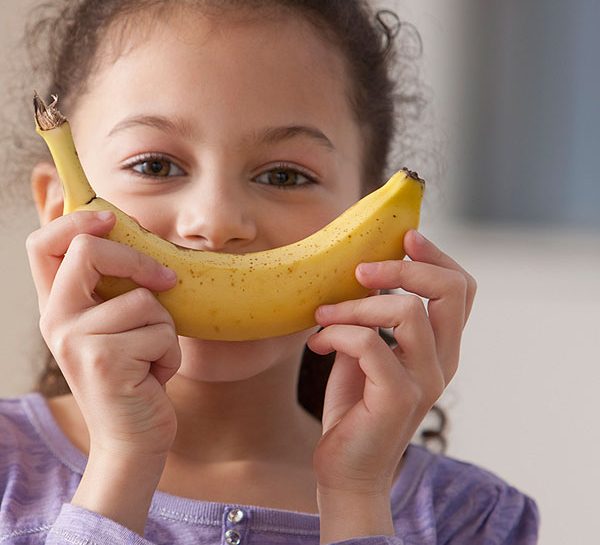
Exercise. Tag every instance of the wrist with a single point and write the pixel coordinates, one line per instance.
(120, 487)
(346, 515)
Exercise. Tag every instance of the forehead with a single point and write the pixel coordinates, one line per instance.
(280, 59)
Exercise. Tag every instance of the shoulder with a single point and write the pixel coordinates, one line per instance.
(463, 502)
(29, 431)
(19, 439)
(28, 452)
(17, 445)
(34, 481)
(15, 425)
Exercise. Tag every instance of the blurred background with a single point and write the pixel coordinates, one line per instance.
(515, 104)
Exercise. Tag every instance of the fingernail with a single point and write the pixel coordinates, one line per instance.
(419, 238)
(104, 215)
(168, 274)
(324, 311)
(368, 269)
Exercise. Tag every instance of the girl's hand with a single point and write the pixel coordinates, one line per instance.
(377, 395)
(116, 355)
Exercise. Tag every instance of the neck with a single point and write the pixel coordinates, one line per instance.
(250, 419)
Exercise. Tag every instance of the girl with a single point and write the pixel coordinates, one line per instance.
(234, 126)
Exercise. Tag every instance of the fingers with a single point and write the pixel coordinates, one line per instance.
(420, 248)
(89, 258)
(416, 348)
(121, 363)
(428, 342)
(137, 315)
(47, 246)
(68, 257)
(391, 396)
(385, 380)
(156, 346)
(445, 289)
(135, 309)
(109, 341)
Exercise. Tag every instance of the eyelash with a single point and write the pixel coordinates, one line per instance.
(310, 180)
(148, 157)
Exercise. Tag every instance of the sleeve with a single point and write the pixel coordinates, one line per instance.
(78, 525)
(500, 516)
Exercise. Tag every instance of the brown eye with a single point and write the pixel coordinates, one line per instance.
(156, 166)
(284, 178)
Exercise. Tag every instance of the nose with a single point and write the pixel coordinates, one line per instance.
(215, 215)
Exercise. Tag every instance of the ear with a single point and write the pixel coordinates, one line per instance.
(47, 192)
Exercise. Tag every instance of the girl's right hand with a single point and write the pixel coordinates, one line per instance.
(116, 355)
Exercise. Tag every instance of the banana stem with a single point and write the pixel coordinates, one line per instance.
(54, 128)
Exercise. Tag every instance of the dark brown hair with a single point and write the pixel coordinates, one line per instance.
(64, 37)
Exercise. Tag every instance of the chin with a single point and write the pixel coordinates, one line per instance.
(229, 361)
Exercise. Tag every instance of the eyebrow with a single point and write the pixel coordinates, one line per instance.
(183, 128)
(178, 126)
(272, 135)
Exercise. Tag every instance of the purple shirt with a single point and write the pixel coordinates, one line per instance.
(435, 500)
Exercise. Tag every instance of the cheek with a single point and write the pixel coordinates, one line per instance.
(152, 214)
(294, 222)
(287, 231)
(319, 218)
(155, 220)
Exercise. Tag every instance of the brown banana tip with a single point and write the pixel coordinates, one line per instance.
(47, 116)
(413, 174)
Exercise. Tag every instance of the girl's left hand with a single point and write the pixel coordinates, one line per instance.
(378, 395)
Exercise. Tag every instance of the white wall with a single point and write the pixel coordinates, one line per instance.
(525, 400)
(18, 312)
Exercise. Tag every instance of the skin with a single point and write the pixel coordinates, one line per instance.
(214, 420)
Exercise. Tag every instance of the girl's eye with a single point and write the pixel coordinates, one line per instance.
(285, 177)
(152, 165)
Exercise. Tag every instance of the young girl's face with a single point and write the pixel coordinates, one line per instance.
(231, 137)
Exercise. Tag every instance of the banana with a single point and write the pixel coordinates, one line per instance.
(250, 296)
